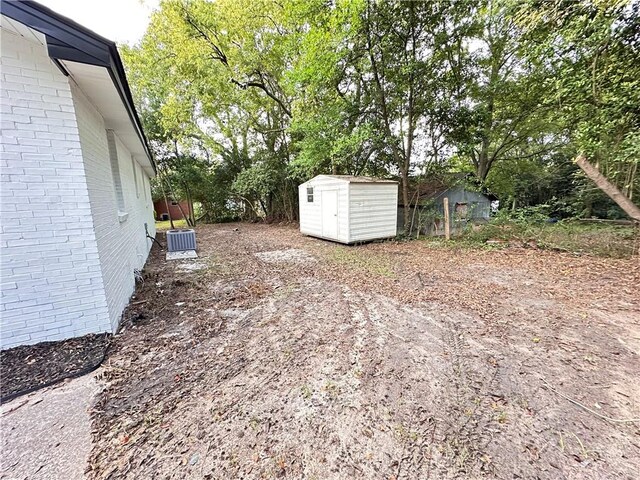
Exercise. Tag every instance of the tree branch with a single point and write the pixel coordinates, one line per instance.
(607, 187)
(263, 87)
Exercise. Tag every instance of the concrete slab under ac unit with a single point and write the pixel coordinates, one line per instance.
(185, 254)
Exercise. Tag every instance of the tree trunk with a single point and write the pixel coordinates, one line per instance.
(166, 202)
(482, 168)
(447, 220)
(264, 208)
(405, 202)
(173, 196)
(410, 129)
(187, 218)
(192, 215)
(607, 187)
(401, 156)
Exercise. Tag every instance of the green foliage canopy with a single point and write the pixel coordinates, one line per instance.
(244, 99)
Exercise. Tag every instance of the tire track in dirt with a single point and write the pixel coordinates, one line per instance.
(440, 423)
(285, 367)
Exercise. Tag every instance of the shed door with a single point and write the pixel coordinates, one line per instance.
(329, 203)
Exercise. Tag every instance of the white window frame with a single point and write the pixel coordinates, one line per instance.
(115, 172)
(134, 166)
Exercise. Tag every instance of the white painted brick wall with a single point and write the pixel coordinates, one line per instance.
(122, 246)
(52, 284)
(66, 267)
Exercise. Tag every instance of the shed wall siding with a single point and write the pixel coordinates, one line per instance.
(372, 211)
(122, 246)
(311, 213)
(479, 205)
(51, 277)
(366, 211)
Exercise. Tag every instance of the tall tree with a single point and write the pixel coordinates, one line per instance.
(498, 114)
(591, 50)
(256, 96)
(212, 80)
(387, 81)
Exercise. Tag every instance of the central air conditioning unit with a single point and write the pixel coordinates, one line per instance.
(179, 240)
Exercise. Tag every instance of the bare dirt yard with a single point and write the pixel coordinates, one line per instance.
(275, 355)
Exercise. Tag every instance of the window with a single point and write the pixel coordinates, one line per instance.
(135, 175)
(115, 169)
(462, 210)
(174, 203)
(144, 186)
(309, 194)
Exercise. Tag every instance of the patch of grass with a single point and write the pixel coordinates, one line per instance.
(224, 268)
(254, 423)
(307, 392)
(461, 243)
(406, 434)
(163, 226)
(284, 292)
(332, 389)
(502, 417)
(603, 240)
(361, 259)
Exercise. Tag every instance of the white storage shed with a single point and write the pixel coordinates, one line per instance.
(348, 209)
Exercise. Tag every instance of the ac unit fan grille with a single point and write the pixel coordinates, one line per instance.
(181, 240)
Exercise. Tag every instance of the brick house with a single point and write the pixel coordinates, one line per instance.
(76, 201)
(162, 212)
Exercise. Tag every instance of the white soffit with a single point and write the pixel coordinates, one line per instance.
(18, 28)
(96, 83)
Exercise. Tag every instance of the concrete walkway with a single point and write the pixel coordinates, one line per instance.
(46, 434)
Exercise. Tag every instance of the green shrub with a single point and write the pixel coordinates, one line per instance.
(527, 215)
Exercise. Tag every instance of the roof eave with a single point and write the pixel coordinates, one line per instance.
(68, 40)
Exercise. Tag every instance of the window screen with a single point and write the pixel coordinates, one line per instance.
(309, 194)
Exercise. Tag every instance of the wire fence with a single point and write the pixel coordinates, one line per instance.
(428, 220)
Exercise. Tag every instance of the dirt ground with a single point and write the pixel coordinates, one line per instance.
(275, 355)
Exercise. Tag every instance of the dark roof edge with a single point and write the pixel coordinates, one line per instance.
(68, 40)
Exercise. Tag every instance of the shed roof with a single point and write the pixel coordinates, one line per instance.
(436, 189)
(359, 179)
(440, 194)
